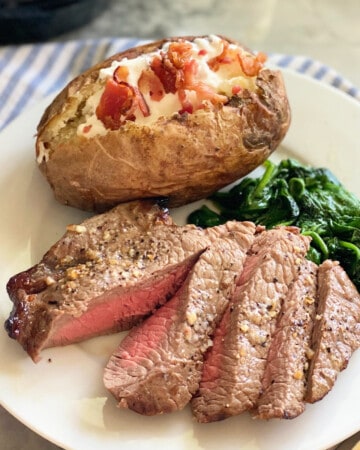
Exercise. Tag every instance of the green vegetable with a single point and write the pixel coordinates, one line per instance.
(294, 194)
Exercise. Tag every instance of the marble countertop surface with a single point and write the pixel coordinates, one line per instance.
(326, 30)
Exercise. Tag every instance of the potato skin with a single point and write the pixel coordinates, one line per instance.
(183, 158)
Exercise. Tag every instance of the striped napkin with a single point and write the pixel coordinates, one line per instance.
(28, 73)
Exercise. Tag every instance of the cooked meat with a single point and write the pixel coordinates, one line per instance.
(336, 331)
(157, 367)
(102, 276)
(233, 313)
(234, 366)
(284, 380)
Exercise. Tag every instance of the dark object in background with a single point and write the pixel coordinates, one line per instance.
(31, 21)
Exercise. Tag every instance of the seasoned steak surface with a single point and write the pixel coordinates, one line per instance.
(234, 366)
(157, 367)
(232, 318)
(336, 331)
(284, 380)
(103, 275)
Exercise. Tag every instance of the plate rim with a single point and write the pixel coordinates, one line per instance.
(9, 129)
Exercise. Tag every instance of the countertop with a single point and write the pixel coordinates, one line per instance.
(326, 30)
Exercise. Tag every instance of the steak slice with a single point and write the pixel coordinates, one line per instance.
(283, 383)
(157, 367)
(336, 331)
(102, 276)
(234, 366)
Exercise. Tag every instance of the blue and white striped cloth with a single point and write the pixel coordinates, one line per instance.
(28, 73)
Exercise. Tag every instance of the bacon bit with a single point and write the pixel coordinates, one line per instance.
(236, 89)
(170, 66)
(166, 73)
(87, 128)
(261, 57)
(117, 102)
(187, 106)
(120, 74)
(203, 91)
(188, 109)
(150, 83)
(227, 56)
(179, 53)
(250, 64)
(190, 71)
(171, 72)
(227, 60)
(177, 73)
(143, 106)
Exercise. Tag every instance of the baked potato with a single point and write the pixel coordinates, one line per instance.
(178, 118)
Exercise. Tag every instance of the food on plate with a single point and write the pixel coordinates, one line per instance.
(178, 118)
(235, 365)
(157, 367)
(274, 380)
(282, 386)
(104, 275)
(211, 308)
(293, 194)
(337, 329)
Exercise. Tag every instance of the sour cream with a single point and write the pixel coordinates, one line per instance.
(203, 50)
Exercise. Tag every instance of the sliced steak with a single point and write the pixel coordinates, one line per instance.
(336, 331)
(284, 380)
(102, 276)
(234, 366)
(157, 367)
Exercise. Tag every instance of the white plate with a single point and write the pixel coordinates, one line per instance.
(62, 397)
